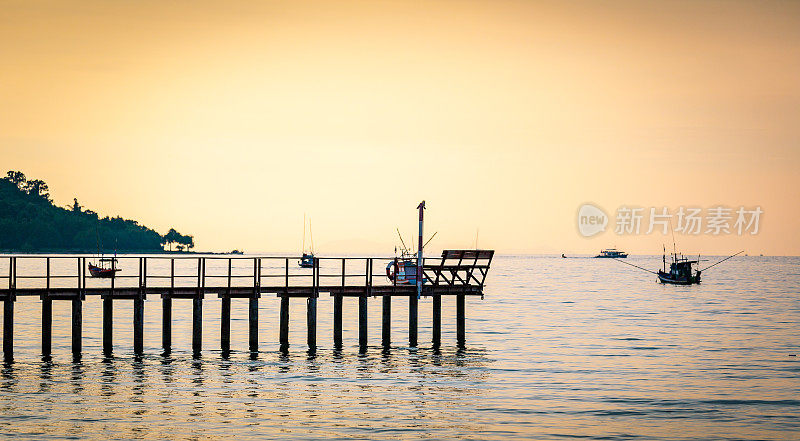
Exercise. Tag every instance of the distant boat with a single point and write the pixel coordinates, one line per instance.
(612, 253)
(308, 259)
(563, 256)
(104, 271)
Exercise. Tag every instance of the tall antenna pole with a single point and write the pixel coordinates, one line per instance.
(421, 207)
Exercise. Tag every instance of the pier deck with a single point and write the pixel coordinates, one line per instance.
(459, 273)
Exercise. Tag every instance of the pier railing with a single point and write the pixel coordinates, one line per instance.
(456, 272)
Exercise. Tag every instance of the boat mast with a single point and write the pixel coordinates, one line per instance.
(304, 233)
(421, 207)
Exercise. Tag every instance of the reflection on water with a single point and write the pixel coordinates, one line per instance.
(560, 348)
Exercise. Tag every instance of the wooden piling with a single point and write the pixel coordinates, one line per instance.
(337, 321)
(311, 322)
(166, 323)
(252, 315)
(253, 324)
(437, 321)
(8, 311)
(413, 313)
(197, 310)
(138, 325)
(77, 326)
(197, 325)
(108, 325)
(460, 320)
(8, 328)
(77, 313)
(166, 311)
(284, 322)
(138, 310)
(47, 326)
(362, 323)
(386, 329)
(47, 315)
(337, 310)
(225, 325)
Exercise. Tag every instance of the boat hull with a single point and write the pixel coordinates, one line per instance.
(672, 280)
(102, 273)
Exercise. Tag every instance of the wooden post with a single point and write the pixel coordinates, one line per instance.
(337, 321)
(225, 325)
(362, 322)
(437, 321)
(108, 319)
(460, 320)
(197, 325)
(138, 325)
(77, 326)
(413, 311)
(284, 325)
(8, 329)
(225, 319)
(166, 311)
(77, 315)
(8, 312)
(197, 310)
(253, 307)
(337, 310)
(47, 317)
(108, 323)
(386, 329)
(362, 310)
(311, 323)
(47, 325)
(138, 310)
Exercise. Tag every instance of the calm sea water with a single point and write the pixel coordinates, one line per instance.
(559, 348)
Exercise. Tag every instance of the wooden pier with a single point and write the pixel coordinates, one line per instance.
(459, 273)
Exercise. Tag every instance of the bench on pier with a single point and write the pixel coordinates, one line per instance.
(458, 268)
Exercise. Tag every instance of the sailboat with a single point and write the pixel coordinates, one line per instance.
(307, 260)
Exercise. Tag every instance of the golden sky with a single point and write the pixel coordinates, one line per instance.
(228, 120)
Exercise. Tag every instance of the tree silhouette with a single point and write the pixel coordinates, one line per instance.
(37, 187)
(16, 177)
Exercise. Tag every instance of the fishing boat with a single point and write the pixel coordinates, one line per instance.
(307, 260)
(402, 270)
(612, 253)
(106, 269)
(681, 271)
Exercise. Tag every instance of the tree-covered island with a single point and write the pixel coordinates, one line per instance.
(30, 222)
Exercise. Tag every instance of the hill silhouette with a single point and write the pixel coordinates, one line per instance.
(30, 222)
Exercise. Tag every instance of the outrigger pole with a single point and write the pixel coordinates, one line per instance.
(732, 255)
(635, 266)
(421, 207)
